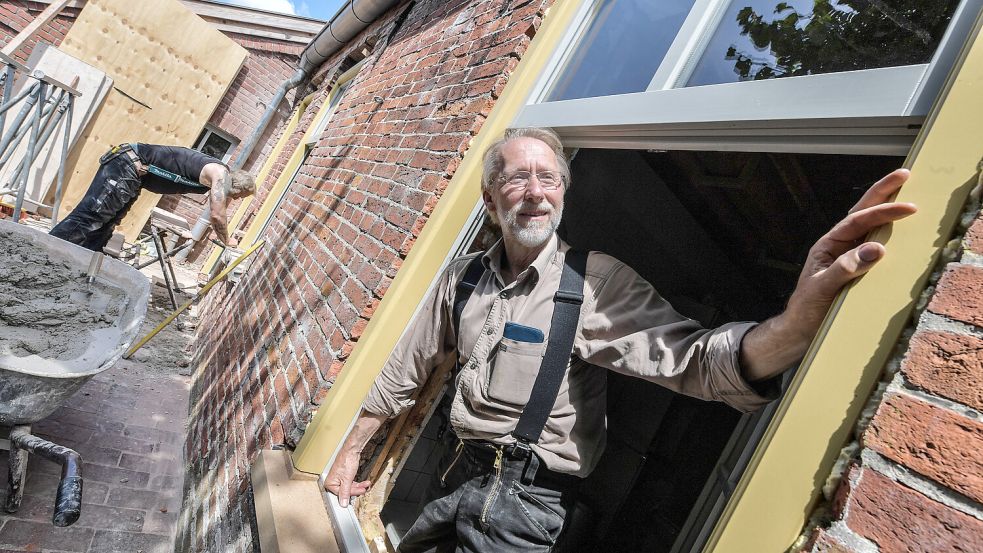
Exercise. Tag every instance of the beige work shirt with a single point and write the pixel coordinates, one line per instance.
(625, 326)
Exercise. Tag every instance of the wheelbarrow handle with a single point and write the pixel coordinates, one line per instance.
(68, 503)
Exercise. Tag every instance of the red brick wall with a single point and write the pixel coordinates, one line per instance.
(270, 348)
(918, 482)
(16, 14)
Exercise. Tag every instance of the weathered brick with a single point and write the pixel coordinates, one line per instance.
(900, 519)
(974, 236)
(823, 542)
(948, 365)
(959, 294)
(940, 444)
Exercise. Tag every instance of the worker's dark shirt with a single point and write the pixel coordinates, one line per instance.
(184, 161)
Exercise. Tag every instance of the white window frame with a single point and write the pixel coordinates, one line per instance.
(209, 130)
(874, 111)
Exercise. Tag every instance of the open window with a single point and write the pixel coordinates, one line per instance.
(721, 235)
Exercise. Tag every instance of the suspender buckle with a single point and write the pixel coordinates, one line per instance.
(518, 450)
(566, 296)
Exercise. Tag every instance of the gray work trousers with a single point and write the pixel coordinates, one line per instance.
(475, 505)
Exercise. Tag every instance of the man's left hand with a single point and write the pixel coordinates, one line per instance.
(842, 255)
(839, 257)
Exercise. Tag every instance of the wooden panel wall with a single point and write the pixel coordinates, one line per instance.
(170, 70)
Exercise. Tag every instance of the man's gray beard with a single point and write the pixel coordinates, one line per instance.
(538, 233)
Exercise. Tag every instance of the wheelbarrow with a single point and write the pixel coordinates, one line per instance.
(33, 386)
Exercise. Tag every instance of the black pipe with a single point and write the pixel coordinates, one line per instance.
(68, 503)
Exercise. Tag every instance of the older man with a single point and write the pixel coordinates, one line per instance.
(128, 168)
(484, 497)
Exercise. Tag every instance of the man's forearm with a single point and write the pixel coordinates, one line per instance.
(773, 346)
(217, 211)
(366, 425)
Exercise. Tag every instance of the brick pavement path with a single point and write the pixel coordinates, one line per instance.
(128, 425)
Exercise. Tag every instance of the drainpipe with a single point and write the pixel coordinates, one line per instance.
(204, 220)
(352, 18)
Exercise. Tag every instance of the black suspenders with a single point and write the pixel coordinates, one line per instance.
(563, 328)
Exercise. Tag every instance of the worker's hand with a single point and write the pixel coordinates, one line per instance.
(232, 243)
(842, 255)
(341, 478)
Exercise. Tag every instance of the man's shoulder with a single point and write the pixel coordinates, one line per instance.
(601, 265)
(459, 265)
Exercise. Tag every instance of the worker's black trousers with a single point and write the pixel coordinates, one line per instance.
(475, 507)
(110, 195)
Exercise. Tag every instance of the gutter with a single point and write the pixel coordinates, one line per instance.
(352, 18)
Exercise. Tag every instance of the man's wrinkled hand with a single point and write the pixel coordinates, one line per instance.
(341, 478)
(842, 254)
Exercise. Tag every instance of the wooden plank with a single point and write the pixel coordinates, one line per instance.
(170, 70)
(26, 33)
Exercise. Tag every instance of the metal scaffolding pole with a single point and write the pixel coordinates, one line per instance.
(32, 98)
(21, 185)
(49, 107)
(7, 81)
(64, 157)
(51, 118)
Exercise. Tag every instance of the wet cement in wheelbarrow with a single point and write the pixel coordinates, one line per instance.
(46, 306)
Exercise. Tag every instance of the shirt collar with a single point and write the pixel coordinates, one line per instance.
(492, 258)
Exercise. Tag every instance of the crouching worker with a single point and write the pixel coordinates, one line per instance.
(126, 169)
(532, 329)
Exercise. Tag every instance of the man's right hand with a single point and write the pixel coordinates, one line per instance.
(341, 478)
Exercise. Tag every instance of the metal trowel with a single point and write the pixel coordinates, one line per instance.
(95, 264)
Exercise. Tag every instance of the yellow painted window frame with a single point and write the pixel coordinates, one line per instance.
(777, 493)
(279, 188)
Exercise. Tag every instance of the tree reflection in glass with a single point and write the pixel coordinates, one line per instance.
(761, 39)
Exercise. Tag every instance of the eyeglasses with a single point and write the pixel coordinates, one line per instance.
(549, 180)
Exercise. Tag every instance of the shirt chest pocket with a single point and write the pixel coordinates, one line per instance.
(514, 370)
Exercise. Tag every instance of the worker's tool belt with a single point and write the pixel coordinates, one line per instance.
(128, 150)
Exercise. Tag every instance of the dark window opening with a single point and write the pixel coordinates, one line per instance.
(211, 143)
(721, 235)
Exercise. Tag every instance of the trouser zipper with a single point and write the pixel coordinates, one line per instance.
(495, 487)
(458, 451)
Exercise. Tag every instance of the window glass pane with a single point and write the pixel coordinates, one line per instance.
(765, 39)
(216, 146)
(621, 48)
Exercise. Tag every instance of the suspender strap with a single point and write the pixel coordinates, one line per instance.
(563, 328)
(465, 287)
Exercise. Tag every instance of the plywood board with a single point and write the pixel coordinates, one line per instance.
(170, 70)
(93, 85)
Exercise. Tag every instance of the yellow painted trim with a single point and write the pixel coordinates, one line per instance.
(774, 499)
(343, 403)
(264, 172)
(265, 211)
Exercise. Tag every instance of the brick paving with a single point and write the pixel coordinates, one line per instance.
(128, 424)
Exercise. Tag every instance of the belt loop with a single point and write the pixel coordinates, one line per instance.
(530, 469)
